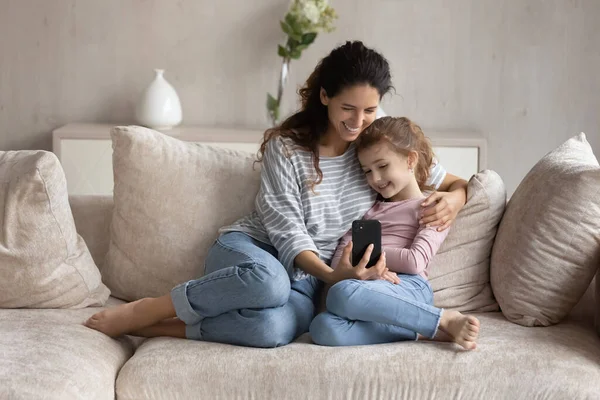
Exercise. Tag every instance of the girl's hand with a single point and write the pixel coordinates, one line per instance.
(444, 212)
(391, 277)
(345, 270)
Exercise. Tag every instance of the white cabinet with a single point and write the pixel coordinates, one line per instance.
(85, 151)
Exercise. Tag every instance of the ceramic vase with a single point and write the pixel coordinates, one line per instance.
(159, 106)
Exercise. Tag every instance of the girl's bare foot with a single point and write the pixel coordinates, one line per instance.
(462, 329)
(117, 321)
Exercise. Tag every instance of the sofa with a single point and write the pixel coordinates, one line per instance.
(47, 353)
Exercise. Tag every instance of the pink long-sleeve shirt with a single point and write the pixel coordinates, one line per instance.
(408, 246)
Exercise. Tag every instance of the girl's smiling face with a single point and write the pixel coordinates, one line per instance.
(388, 172)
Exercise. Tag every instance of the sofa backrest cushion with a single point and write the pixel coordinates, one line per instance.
(460, 271)
(170, 199)
(92, 215)
(44, 263)
(548, 245)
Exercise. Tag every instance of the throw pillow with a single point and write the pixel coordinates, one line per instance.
(44, 262)
(460, 271)
(548, 245)
(170, 199)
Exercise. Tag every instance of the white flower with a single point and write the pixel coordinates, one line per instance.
(321, 5)
(311, 12)
(309, 16)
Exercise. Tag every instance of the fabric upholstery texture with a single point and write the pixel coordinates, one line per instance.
(460, 271)
(170, 199)
(44, 263)
(548, 245)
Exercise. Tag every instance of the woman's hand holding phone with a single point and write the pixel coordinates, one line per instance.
(345, 270)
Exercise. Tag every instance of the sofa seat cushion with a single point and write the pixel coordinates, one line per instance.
(511, 361)
(49, 354)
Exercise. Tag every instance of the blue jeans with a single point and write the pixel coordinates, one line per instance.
(370, 312)
(245, 297)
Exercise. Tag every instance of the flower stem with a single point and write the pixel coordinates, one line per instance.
(283, 77)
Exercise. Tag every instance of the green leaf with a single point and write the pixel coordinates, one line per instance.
(286, 28)
(293, 23)
(281, 51)
(271, 103)
(273, 108)
(308, 38)
(301, 47)
(295, 54)
(292, 28)
(292, 43)
(296, 37)
(289, 19)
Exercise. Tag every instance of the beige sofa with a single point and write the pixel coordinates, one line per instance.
(49, 354)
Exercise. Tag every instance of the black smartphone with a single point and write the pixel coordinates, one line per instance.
(364, 233)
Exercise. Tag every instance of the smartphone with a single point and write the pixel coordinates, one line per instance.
(364, 233)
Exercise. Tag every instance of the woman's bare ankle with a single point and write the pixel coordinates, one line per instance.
(159, 308)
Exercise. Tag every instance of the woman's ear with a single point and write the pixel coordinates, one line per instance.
(324, 98)
(412, 159)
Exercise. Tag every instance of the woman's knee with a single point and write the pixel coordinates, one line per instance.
(271, 283)
(263, 272)
(273, 328)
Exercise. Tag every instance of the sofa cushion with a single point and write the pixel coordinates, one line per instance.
(585, 309)
(170, 199)
(49, 354)
(92, 215)
(511, 362)
(597, 309)
(44, 262)
(460, 271)
(548, 247)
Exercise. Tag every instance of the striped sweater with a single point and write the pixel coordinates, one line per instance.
(291, 217)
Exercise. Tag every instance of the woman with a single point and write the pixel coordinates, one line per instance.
(263, 272)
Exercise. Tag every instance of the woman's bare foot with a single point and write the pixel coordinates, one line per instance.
(462, 329)
(173, 327)
(117, 321)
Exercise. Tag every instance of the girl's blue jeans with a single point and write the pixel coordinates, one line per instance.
(245, 297)
(370, 312)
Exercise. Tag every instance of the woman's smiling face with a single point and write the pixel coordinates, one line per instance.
(351, 111)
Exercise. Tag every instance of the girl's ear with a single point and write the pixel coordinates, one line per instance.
(412, 159)
(324, 98)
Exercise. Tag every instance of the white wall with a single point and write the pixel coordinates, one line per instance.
(524, 73)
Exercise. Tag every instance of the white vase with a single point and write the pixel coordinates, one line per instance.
(159, 107)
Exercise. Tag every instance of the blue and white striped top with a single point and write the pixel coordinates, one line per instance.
(293, 218)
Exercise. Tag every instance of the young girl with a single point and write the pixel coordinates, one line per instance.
(261, 274)
(395, 156)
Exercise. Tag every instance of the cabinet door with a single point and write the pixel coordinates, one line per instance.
(87, 165)
(460, 161)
